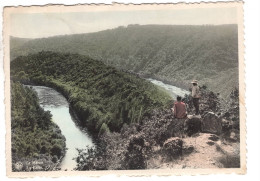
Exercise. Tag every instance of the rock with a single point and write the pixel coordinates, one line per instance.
(211, 123)
(213, 137)
(210, 143)
(226, 125)
(172, 148)
(192, 125)
(227, 115)
(187, 148)
(234, 135)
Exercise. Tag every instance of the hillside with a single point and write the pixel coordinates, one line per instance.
(32, 130)
(103, 98)
(189, 146)
(18, 42)
(172, 53)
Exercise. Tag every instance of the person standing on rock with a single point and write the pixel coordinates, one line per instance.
(195, 93)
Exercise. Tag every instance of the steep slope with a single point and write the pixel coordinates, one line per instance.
(142, 146)
(103, 98)
(18, 42)
(171, 53)
(31, 127)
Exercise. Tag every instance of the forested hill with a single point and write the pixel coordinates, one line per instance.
(103, 98)
(174, 53)
(18, 42)
(35, 137)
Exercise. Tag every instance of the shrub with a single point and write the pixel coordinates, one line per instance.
(134, 157)
(54, 159)
(56, 150)
(104, 129)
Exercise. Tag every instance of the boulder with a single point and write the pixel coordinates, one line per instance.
(211, 123)
(187, 148)
(172, 148)
(192, 125)
(213, 137)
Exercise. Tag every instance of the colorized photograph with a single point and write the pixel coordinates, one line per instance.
(125, 87)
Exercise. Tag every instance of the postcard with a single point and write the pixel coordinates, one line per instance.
(124, 89)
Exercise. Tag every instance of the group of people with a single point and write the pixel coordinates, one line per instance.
(179, 108)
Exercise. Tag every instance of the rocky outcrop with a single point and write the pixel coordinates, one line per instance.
(187, 148)
(192, 125)
(211, 123)
(172, 148)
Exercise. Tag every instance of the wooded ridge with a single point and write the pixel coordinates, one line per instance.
(103, 98)
(172, 53)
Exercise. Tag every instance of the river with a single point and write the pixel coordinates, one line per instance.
(57, 104)
(172, 90)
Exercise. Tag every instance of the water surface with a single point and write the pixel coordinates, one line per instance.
(172, 90)
(57, 104)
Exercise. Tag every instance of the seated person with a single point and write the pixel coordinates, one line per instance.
(179, 109)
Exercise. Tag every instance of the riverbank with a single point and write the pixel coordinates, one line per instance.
(129, 116)
(101, 96)
(164, 79)
(58, 106)
(37, 142)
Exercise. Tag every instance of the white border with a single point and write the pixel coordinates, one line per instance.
(252, 40)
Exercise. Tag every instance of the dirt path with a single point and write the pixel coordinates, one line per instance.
(208, 152)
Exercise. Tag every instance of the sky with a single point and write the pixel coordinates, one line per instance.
(37, 25)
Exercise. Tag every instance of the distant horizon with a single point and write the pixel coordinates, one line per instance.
(39, 25)
(125, 26)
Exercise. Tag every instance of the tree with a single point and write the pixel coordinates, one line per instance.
(56, 150)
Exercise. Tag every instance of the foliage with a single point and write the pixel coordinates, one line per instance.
(104, 129)
(134, 157)
(209, 102)
(230, 115)
(32, 129)
(90, 159)
(136, 144)
(172, 53)
(230, 161)
(98, 93)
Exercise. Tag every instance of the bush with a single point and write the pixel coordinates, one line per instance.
(43, 150)
(230, 161)
(91, 159)
(54, 159)
(56, 150)
(104, 129)
(134, 157)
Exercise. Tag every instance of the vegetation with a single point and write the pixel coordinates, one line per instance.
(171, 53)
(35, 138)
(18, 42)
(103, 98)
(136, 145)
(130, 116)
